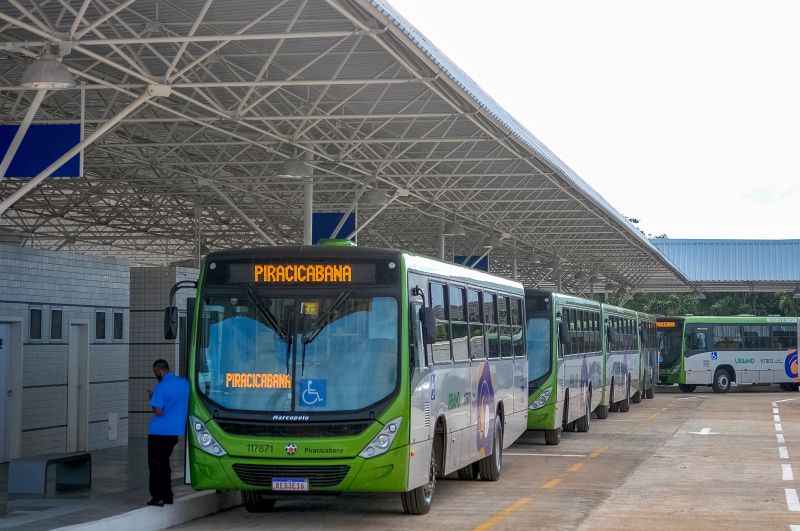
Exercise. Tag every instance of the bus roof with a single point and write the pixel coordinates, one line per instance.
(458, 272)
(735, 319)
(563, 297)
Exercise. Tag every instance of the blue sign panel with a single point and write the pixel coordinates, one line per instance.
(42, 145)
(325, 222)
(483, 264)
(313, 392)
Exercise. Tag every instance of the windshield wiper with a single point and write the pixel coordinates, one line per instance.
(321, 323)
(272, 321)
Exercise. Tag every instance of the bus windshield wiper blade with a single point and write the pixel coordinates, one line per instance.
(267, 315)
(321, 323)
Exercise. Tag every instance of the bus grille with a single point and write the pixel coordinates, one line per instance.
(318, 476)
(318, 429)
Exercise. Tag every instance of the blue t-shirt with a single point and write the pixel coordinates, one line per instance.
(171, 395)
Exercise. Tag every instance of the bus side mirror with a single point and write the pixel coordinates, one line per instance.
(170, 322)
(428, 320)
(563, 333)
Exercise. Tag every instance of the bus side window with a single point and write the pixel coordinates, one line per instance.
(490, 318)
(477, 344)
(440, 349)
(517, 334)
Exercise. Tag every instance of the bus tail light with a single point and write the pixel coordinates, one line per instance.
(204, 439)
(381, 443)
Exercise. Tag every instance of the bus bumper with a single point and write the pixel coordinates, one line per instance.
(384, 473)
(542, 418)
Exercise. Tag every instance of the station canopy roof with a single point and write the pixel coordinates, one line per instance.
(736, 265)
(209, 99)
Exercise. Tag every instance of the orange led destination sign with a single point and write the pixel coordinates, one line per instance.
(666, 324)
(258, 380)
(302, 273)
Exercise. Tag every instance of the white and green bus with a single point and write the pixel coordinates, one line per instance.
(343, 369)
(648, 348)
(623, 358)
(566, 360)
(723, 351)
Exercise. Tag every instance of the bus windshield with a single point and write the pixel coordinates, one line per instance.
(539, 359)
(314, 352)
(669, 345)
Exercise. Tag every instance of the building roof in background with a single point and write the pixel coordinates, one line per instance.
(734, 261)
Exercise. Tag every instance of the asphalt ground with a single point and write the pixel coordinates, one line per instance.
(679, 461)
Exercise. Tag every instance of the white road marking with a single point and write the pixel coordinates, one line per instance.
(775, 411)
(780, 438)
(776, 418)
(794, 528)
(704, 431)
(544, 455)
(778, 427)
(788, 474)
(784, 400)
(791, 500)
(774, 404)
(783, 452)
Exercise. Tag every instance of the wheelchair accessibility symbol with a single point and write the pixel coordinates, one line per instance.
(313, 392)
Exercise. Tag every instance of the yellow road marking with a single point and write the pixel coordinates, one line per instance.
(596, 453)
(576, 467)
(552, 483)
(502, 515)
(651, 417)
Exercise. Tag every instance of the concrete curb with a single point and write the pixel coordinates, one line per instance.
(185, 509)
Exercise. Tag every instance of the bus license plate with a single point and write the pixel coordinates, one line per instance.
(290, 484)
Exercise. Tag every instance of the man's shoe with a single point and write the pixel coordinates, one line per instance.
(156, 503)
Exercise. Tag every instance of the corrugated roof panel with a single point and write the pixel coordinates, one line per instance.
(734, 260)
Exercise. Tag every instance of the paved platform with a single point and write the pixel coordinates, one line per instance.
(680, 461)
(119, 485)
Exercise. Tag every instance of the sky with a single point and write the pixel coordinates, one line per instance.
(682, 114)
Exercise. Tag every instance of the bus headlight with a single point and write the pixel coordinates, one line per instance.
(380, 443)
(542, 399)
(205, 440)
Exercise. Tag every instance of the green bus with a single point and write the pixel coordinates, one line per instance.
(342, 369)
(585, 359)
(726, 351)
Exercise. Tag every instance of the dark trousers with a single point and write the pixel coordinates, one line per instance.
(159, 450)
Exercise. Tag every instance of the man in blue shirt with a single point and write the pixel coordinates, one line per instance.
(170, 403)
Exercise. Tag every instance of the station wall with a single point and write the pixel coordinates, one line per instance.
(71, 314)
(150, 287)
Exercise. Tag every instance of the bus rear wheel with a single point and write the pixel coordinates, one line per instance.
(650, 393)
(722, 381)
(625, 405)
(601, 411)
(419, 500)
(583, 423)
(256, 502)
(469, 472)
(491, 465)
(686, 388)
(552, 437)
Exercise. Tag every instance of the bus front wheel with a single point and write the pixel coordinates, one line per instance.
(255, 502)
(686, 388)
(552, 437)
(419, 500)
(722, 381)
